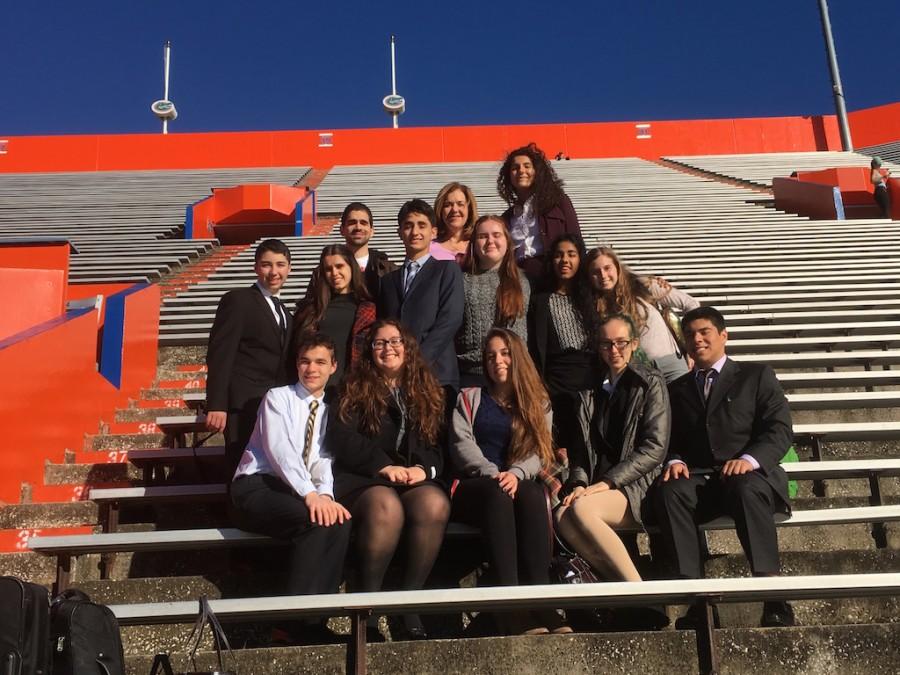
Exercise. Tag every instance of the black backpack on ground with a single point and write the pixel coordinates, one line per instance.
(24, 628)
(85, 637)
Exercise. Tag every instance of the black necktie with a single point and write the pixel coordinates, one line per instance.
(282, 322)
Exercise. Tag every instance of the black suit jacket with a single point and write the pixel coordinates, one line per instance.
(747, 414)
(246, 355)
(432, 310)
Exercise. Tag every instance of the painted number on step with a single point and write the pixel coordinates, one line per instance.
(118, 456)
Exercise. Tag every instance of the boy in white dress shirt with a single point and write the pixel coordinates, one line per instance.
(283, 483)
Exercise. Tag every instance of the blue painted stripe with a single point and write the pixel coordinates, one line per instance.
(113, 339)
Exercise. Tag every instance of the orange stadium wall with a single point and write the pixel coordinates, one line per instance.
(423, 144)
(874, 126)
(51, 392)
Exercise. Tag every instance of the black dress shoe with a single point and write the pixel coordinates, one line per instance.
(777, 615)
(693, 618)
(373, 635)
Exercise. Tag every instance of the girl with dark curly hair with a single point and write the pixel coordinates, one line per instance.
(385, 444)
(539, 211)
(561, 329)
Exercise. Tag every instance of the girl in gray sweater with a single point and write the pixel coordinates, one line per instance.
(497, 295)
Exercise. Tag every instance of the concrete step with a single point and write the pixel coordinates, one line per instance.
(48, 515)
(158, 393)
(812, 539)
(813, 650)
(141, 414)
(124, 441)
(845, 415)
(61, 474)
(177, 356)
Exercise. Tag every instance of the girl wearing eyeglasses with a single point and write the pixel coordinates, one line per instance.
(385, 444)
(624, 429)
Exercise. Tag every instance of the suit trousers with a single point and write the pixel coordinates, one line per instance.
(515, 532)
(265, 504)
(680, 504)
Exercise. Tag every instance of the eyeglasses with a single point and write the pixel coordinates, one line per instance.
(393, 342)
(607, 345)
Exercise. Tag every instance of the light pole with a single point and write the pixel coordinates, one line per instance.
(836, 87)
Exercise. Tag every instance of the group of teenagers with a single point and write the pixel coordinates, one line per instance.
(502, 377)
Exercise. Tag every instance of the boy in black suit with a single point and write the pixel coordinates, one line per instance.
(731, 426)
(426, 295)
(247, 349)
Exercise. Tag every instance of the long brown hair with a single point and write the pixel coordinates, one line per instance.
(310, 312)
(365, 391)
(626, 295)
(510, 298)
(471, 204)
(529, 402)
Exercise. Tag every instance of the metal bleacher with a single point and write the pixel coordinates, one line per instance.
(126, 226)
(759, 169)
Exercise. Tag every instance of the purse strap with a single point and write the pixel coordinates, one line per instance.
(206, 617)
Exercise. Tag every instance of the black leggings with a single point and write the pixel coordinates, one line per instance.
(515, 532)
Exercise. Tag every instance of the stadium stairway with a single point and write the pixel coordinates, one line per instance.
(806, 288)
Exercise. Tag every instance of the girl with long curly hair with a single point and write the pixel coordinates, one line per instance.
(456, 211)
(337, 305)
(539, 210)
(619, 290)
(560, 331)
(385, 444)
(496, 292)
(499, 440)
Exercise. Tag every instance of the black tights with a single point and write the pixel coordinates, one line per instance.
(380, 515)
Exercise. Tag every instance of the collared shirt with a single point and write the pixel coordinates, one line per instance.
(609, 383)
(276, 445)
(523, 229)
(420, 261)
(268, 295)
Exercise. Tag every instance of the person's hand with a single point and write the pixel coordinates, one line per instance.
(216, 420)
(324, 511)
(576, 492)
(415, 474)
(736, 467)
(676, 470)
(395, 474)
(661, 282)
(509, 482)
(602, 486)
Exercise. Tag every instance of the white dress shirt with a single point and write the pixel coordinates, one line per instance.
(276, 445)
(268, 296)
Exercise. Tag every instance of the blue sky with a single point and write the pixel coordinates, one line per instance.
(95, 67)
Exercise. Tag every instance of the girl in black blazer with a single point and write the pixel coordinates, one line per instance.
(384, 441)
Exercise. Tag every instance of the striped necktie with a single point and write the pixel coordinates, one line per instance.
(310, 424)
(411, 270)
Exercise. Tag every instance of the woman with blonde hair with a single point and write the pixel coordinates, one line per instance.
(456, 210)
(619, 290)
(385, 444)
(497, 294)
(500, 439)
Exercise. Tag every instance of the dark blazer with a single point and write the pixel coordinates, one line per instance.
(432, 310)
(747, 414)
(558, 220)
(540, 323)
(357, 457)
(246, 355)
